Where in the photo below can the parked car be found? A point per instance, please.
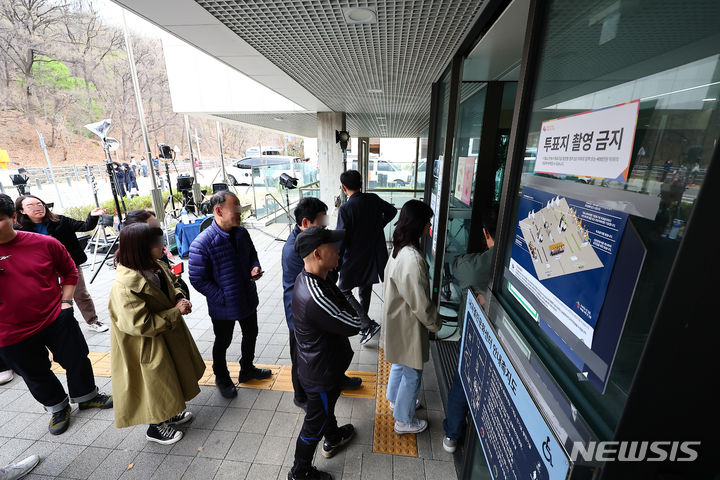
(267, 169)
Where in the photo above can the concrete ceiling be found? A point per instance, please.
(380, 74)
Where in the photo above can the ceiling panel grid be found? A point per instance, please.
(398, 57)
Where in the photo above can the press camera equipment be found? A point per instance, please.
(167, 155)
(287, 183)
(184, 186)
(20, 181)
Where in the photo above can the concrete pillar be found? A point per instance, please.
(329, 155)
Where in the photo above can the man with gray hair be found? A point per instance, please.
(224, 267)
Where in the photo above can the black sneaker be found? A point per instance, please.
(300, 404)
(60, 421)
(351, 383)
(312, 474)
(100, 401)
(347, 432)
(163, 434)
(254, 373)
(180, 418)
(370, 332)
(226, 387)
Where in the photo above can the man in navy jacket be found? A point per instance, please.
(363, 253)
(309, 212)
(224, 267)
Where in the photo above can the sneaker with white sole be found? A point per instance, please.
(449, 445)
(98, 326)
(418, 405)
(19, 469)
(180, 418)
(163, 434)
(416, 426)
(369, 333)
(6, 376)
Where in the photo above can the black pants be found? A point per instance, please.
(300, 395)
(223, 330)
(3, 366)
(363, 306)
(29, 359)
(319, 422)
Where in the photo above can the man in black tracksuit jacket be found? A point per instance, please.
(323, 322)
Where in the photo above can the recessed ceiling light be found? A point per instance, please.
(709, 99)
(374, 90)
(357, 15)
(277, 119)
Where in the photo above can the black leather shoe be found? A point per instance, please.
(254, 374)
(226, 387)
(351, 383)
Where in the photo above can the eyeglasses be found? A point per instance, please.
(34, 205)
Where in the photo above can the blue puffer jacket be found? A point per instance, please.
(222, 273)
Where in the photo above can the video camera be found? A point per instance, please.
(166, 152)
(287, 181)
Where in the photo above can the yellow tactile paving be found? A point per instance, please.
(385, 439)
(280, 379)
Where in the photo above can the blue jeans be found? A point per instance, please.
(402, 390)
(454, 423)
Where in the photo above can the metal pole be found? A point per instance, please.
(52, 174)
(154, 192)
(197, 194)
(222, 157)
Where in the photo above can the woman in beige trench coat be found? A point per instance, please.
(155, 362)
(408, 315)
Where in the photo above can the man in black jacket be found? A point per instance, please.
(323, 322)
(364, 253)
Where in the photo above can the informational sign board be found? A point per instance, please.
(516, 439)
(594, 144)
(464, 179)
(574, 268)
(564, 252)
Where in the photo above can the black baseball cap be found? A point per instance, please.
(312, 237)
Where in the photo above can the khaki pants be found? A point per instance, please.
(83, 300)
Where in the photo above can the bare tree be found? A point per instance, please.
(26, 33)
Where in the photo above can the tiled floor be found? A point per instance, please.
(249, 437)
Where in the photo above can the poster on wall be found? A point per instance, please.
(516, 439)
(464, 179)
(595, 144)
(435, 200)
(563, 253)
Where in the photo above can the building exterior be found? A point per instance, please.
(592, 127)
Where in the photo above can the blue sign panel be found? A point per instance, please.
(516, 440)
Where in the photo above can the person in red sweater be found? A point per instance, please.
(37, 282)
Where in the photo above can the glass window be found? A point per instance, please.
(596, 56)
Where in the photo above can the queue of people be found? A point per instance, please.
(156, 365)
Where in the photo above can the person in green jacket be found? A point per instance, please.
(471, 270)
(155, 363)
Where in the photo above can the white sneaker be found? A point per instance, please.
(449, 445)
(6, 376)
(417, 405)
(98, 326)
(21, 468)
(416, 426)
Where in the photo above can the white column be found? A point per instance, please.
(329, 155)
